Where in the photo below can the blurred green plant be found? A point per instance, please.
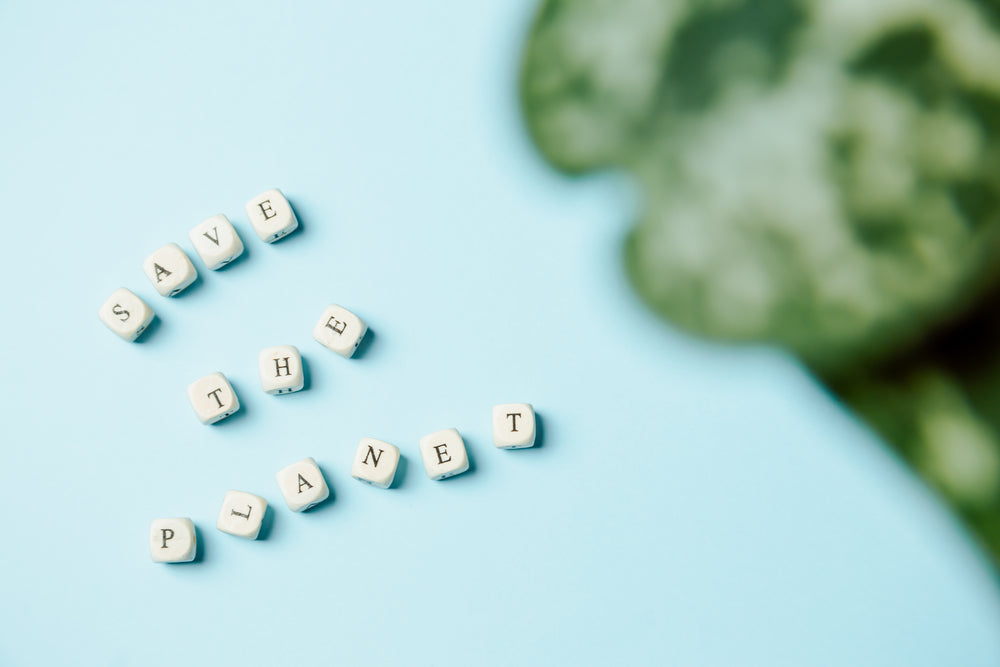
(823, 175)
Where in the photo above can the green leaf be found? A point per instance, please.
(822, 175)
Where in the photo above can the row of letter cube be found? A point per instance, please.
(217, 243)
(303, 486)
(279, 367)
(213, 397)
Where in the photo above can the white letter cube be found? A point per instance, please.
(339, 330)
(216, 241)
(513, 426)
(242, 514)
(172, 541)
(444, 454)
(271, 215)
(213, 398)
(280, 369)
(375, 462)
(302, 484)
(169, 269)
(126, 314)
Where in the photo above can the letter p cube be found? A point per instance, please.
(172, 541)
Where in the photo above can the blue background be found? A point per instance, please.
(691, 504)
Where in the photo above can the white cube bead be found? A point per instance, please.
(213, 398)
(302, 484)
(172, 541)
(444, 454)
(340, 330)
(126, 314)
(513, 425)
(169, 269)
(271, 215)
(280, 369)
(375, 462)
(242, 514)
(216, 241)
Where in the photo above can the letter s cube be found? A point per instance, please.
(126, 314)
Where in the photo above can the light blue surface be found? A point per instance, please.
(691, 504)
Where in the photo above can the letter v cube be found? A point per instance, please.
(216, 241)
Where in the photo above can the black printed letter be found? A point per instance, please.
(264, 209)
(278, 366)
(118, 310)
(166, 537)
(338, 327)
(245, 516)
(438, 449)
(513, 420)
(371, 453)
(209, 236)
(160, 271)
(302, 481)
(215, 395)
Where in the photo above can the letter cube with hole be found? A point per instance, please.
(216, 241)
(242, 514)
(375, 463)
(172, 541)
(513, 426)
(302, 484)
(340, 330)
(213, 398)
(444, 454)
(280, 369)
(271, 215)
(169, 269)
(126, 314)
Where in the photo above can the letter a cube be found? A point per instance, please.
(302, 484)
(169, 269)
